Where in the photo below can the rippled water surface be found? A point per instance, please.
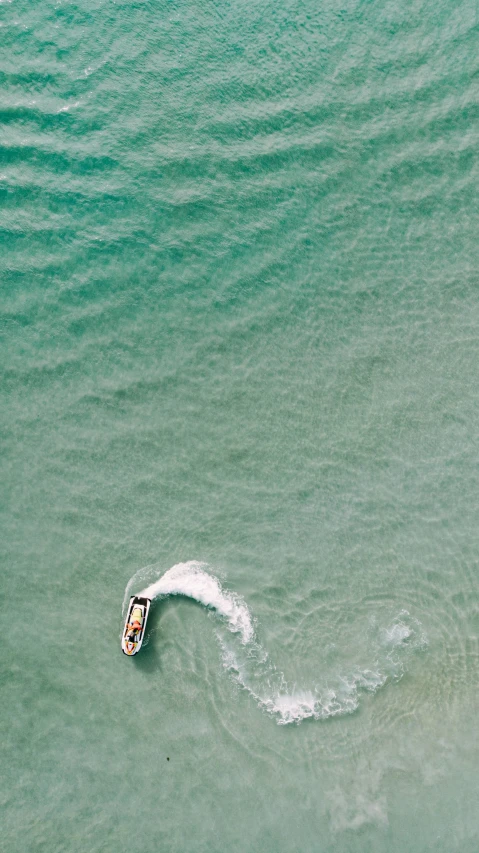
(240, 338)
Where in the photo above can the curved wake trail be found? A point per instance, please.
(249, 664)
(192, 580)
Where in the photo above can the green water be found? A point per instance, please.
(240, 325)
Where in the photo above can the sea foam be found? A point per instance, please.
(249, 664)
(192, 580)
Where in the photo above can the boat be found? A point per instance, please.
(135, 624)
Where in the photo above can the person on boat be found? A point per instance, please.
(134, 627)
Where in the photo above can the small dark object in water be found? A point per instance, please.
(167, 759)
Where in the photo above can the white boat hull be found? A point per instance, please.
(131, 641)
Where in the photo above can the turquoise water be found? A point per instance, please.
(240, 337)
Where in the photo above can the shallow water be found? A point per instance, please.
(240, 322)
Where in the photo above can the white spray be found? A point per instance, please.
(192, 580)
(249, 664)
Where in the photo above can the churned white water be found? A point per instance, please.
(192, 580)
(250, 666)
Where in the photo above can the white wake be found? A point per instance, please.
(249, 664)
(192, 580)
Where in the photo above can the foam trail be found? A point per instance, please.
(249, 664)
(192, 580)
